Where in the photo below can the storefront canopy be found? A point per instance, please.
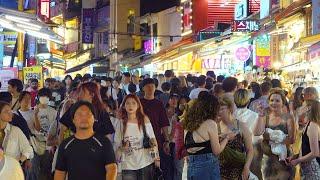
(87, 63)
(28, 24)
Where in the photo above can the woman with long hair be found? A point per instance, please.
(136, 146)
(297, 100)
(14, 143)
(310, 148)
(255, 91)
(201, 138)
(90, 92)
(179, 149)
(184, 86)
(269, 120)
(68, 82)
(235, 160)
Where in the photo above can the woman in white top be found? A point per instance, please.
(13, 141)
(135, 141)
(9, 167)
(25, 109)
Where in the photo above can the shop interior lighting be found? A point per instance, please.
(30, 31)
(29, 24)
(28, 27)
(277, 65)
(16, 19)
(38, 34)
(8, 25)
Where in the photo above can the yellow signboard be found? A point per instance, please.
(137, 43)
(34, 72)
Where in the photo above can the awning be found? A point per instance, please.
(130, 58)
(306, 42)
(88, 63)
(173, 48)
(27, 23)
(310, 40)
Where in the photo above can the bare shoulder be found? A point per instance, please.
(209, 124)
(314, 126)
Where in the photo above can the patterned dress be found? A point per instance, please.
(273, 168)
(229, 170)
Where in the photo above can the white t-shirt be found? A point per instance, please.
(126, 88)
(138, 88)
(247, 116)
(15, 103)
(137, 157)
(11, 169)
(195, 92)
(29, 117)
(46, 118)
(250, 118)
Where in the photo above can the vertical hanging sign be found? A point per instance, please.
(87, 25)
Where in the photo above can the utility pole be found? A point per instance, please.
(20, 46)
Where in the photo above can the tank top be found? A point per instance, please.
(190, 143)
(305, 146)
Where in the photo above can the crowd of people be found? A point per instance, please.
(142, 128)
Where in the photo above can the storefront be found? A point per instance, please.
(78, 60)
(228, 57)
(182, 64)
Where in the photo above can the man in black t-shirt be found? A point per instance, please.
(85, 155)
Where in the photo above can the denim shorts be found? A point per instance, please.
(203, 167)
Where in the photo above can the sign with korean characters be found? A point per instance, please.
(34, 72)
(246, 25)
(87, 25)
(8, 38)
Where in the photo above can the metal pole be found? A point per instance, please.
(20, 46)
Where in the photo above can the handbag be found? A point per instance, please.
(146, 138)
(38, 146)
(233, 158)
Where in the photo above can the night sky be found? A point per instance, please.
(152, 6)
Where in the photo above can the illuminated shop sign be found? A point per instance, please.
(203, 35)
(242, 53)
(241, 10)
(87, 25)
(45, 8)
(216, 62)
(147, 46)
(151, 46)
(246, 26)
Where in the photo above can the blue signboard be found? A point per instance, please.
(11, 4)
(315, 17)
